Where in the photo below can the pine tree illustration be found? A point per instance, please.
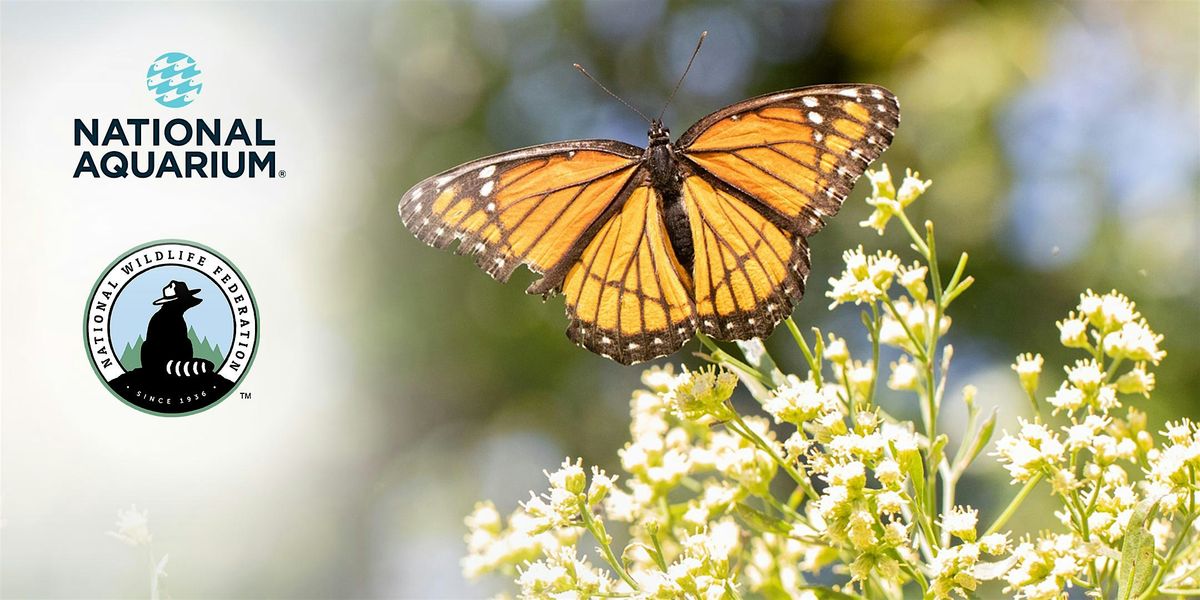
(202, 348)
(131, 357)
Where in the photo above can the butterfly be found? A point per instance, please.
(651, 245)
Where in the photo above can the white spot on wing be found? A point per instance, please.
(491, 207)
(815, 117)
(442, 181)
(850, 93)
(487, 171)
(486, 190)
(809, 101)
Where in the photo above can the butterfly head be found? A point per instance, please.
(659, 135)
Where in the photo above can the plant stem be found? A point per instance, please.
(722, 356)
(876, 324)
(912, 232)
(808, 355)
(912, 337)
(1013, 505)
(659, 557)
(602, 539)
(744, 430)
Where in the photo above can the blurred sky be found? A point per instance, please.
(397, 384)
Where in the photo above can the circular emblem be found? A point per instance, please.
(171, 327)
(174, 79)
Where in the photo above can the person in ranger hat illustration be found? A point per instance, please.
(167, 349)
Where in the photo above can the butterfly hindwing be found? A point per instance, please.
(532, 206)
(797, 152)
(627, 296)
(748, 273)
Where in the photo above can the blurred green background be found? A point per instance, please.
(1062, 139)
(398, 384)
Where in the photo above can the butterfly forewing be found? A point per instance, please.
(798, 152)
(532, 206)
(628, 297)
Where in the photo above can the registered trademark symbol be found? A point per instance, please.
(245, 395)
(282, 173)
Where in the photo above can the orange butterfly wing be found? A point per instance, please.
(532, 206)
(747, 272)
(797, 152)
(761, 176)
(627, 297)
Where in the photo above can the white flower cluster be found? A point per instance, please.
(866, 278)
(1046, 566)
(826, 485)
(133, 527)
(887, 201)
(1093, 461)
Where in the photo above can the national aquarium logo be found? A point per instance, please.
(179, 147)
(174, 79)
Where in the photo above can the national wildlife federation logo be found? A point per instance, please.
(174, 79)
(171, 327)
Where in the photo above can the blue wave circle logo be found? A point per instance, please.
(174, 79)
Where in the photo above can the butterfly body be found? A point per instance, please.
(663, 168)
(649, 246)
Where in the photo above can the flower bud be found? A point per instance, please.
(1073, 332)
(1028, 368)
(911, 188)
(836, 350)
(960, 522)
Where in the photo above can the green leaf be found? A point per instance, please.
(977, 444)
(1137, 551)
(938, 450)
(760, 521)
(757, 356)
(914, 469)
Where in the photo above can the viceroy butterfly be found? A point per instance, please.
(651, 245)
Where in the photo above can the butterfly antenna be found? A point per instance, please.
(609, 92)
(685, 72)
